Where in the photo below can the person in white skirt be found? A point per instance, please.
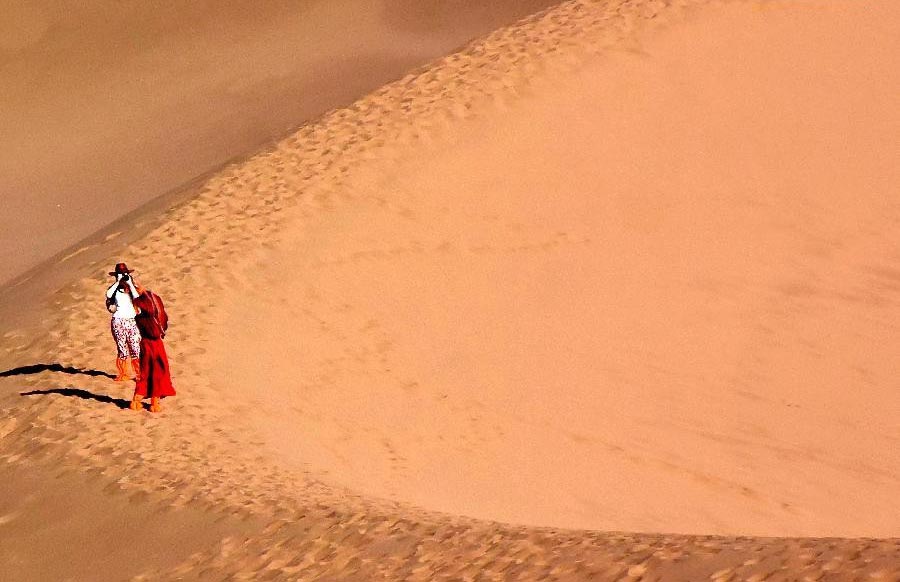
(119, 298)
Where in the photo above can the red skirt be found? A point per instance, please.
(155, 380)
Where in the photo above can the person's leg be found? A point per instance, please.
(133, 336)
(154, 404)
(121, 349)
(141, 386)
(122, 372)
(136, 364)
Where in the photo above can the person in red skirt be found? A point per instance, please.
(155, 380)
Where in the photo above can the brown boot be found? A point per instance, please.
(154, 405)
(136, 366)
(120, 367)
(137, 402)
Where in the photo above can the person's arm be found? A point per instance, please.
(112, 289)
(131, 287)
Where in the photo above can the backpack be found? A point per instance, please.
(154, 321)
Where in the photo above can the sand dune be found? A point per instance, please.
(627, 266)
(681, 282)
(106, 105)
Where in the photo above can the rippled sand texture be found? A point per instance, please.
(332, 234)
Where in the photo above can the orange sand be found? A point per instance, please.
(670, 274)
(626, 266)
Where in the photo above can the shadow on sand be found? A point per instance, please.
(79, 393)
(38, 368)
(70, 392)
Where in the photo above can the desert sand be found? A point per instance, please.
(612, 293)
(106, 105)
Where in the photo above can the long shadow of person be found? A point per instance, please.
(38, 368)
(79, 393)
(71, 392)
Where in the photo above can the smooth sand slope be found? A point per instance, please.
(671, 274)
(105, 105)
(626, 266)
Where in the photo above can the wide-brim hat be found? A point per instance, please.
(121, 269)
